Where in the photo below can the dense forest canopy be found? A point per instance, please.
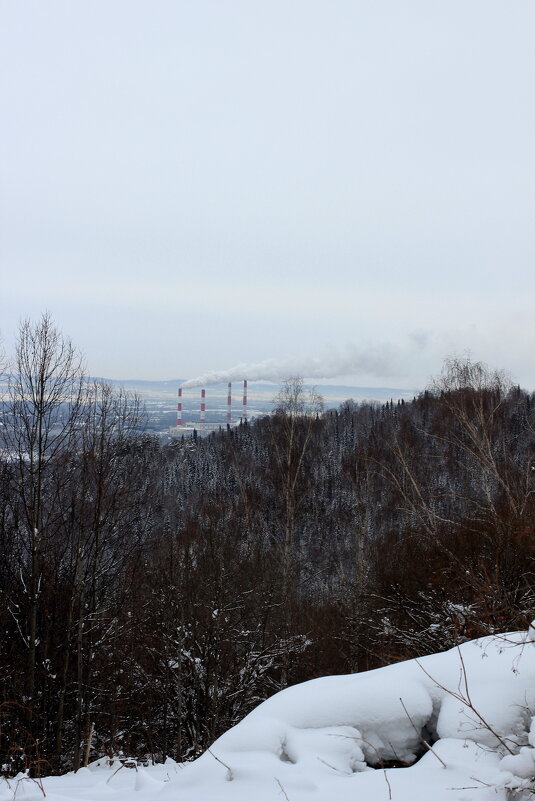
(151, 595)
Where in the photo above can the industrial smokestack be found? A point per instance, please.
(245, 399)
(229, 402)
(203, 407)
(179, 408)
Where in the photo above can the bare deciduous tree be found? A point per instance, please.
(46, 394)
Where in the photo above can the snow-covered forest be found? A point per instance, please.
(151, 596)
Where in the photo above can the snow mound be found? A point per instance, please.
(456, 726)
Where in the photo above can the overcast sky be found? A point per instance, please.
(188, 184)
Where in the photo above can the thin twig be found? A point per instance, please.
(30, 779)
(465, 699)
(283, 791)
(478, 786)
(333, 767)
(229, 775)
(361, 741)
(113, 774)
(419, 735)
(388, 783)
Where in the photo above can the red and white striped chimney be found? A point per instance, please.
(229, 402)
(245, 399)
(179, 408)
(203, 406)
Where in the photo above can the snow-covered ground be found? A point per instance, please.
(335, 739)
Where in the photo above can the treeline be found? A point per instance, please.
(151, 595)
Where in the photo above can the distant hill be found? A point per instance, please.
(333, 394)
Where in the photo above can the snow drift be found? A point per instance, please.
(456, 725)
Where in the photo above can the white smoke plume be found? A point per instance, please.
(369, 361)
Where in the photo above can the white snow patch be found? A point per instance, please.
(328, 739)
